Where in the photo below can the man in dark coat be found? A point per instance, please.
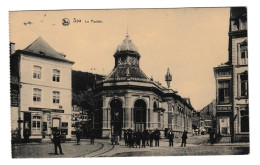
(130, 139)
(26, 135)
(143, 136)
(151, 137)
(125, 137)
(78, 136)
(212, 137)
(184, 138)
(57, 140)
(138, 139)
(170, 137)
(157, 137)
(147, 137)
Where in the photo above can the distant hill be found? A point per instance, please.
(82, 87)
(83, 81)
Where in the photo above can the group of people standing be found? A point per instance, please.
(147, 138)
(141, 139)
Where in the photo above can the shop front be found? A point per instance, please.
(224, 114)
(38, 123)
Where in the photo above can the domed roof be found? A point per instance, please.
(127, 45)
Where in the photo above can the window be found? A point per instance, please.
(243, 24)
(56, 97)
(56, 75)
(37, 95)
(224, 92)
(224, 73)
(244, 117)
(37, 72)
(243, 54)
(44, 126)
(159, 116)
(36, 125)
(65, 125)
(244, 85)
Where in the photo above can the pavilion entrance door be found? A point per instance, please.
(116, 117)
(140, 115)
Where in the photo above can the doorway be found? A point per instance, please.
(116, 117)
(140, 115)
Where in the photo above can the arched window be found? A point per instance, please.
(140, 115)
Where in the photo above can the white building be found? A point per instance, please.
(42, 77)
(232, 82)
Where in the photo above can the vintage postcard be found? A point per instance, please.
(129, 82)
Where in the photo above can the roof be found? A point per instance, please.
(127, 45)
(127, 71)
(43, 49)
(223, 65)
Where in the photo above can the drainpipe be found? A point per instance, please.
(19, 100)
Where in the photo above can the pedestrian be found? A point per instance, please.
(26, 135)
(212, 136)
(147, 137)
(92, 137)
(130, 139)
(157, 137)
(151, 137)
(125, 137)
(57, 140)
(170, 137)
(138, 139)
(184, 138)
(143, 137)
(78, 136)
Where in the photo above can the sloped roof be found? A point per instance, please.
(124, 71)
(43, 49)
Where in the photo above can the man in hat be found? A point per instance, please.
(57, 140)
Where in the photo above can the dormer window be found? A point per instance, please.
(41, 53)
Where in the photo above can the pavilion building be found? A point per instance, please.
(128, 99)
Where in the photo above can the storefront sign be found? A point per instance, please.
(46, 110)
(224, 108)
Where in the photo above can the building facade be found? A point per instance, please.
(232, 81)
(41, 79)
(208, 116)
(128, 99)
(195, 120)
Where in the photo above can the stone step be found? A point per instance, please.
(225, 139)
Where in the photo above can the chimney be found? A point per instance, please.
(12, 48)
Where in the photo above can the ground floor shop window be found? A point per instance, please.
(65, 125)
(224, 126)
(244, 117)
(36, 125)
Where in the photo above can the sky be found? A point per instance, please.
(188, 41)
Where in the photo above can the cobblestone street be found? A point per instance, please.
(197, 145)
